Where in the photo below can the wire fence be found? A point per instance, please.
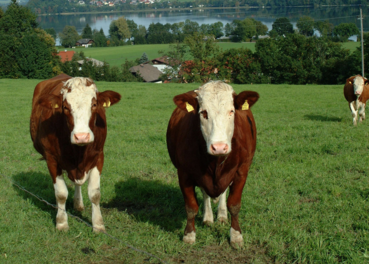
(79, 219)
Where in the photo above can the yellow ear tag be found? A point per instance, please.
(189, 107)
(245, 106)
(106, 105)
(56, 106)
(350, 82)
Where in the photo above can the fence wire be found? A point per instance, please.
(79, 219)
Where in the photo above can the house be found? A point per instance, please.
(164, 62)
(148, 72)
(84, 42)
(95, 62)
(66, 55)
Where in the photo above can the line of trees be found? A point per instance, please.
(122, 31)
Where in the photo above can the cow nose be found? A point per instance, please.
(219, 148)
(358, 92)
(82, 138)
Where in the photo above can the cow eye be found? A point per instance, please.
(204, 114)
(232, 112)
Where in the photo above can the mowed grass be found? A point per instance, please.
(116, 56)
(305, 200)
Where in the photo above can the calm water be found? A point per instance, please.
(334, 15)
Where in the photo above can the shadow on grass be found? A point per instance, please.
(41, 185)
(323, 118)
(150, 201)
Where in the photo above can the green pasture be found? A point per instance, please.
(116, 56)
(305, 200)
(351, 45)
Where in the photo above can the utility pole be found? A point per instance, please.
(362, 41)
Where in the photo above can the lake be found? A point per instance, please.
(334, 15)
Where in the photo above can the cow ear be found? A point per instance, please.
(245, 100)
(50, 101)
(108, 98)
(351, 79)
(366, 81)
(187, 101)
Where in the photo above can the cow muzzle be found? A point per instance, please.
(81, 139)
(219, 149)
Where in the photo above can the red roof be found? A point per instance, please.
(66, 55)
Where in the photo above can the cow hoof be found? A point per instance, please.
(190, 238)
(78, 205)
(236, 239)
(62, 227)
(208, 222)
(222, 220)
(99, 229)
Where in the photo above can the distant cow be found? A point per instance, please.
(68, 128)
(356, 93)
(211, 139)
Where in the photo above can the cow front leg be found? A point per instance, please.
(234, 206)
(208, 218)
(362, 113)
(61, 195)
(353, 112)
(94, 195)
(222, 208)
(191, 205)
(78, 200)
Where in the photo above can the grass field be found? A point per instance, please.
(116, 56)
(305, 201)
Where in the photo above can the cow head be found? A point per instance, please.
(216, 103)
(358, 83)
(79, 102)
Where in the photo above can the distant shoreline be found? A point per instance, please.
(164, 9)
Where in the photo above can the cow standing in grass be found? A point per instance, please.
(68, 128)
(356, 93)
(211, 139)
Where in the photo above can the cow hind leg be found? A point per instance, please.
(94, 195)
(61, 195)
(208, 218)
(78, 200)
(222, 208)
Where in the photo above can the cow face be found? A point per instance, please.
(80, 102)
(358, 84)
(216, 104)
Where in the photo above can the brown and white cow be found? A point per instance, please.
(211, 139)
(68, 128)
(356, 92)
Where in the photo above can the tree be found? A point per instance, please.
(144, 58)
(69, 36)
(99, 38)
(261, 29)
(87, 32)
(51, 32)
(119, 29)
(228, 29)
(25, 50)
(282, 26)
(324, 27)
(216, 29)
(243, 30)
(132, 27)
(305, 25)
(190, 27)
(346, 30)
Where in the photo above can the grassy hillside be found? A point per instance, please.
(351, 45)
(115, 56)
(305, 200)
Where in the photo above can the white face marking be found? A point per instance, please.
(80, 99)
(216, 116)
(358, 85)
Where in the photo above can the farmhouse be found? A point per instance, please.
(84, 42)
(66, 55)
(148, 72)
(164, 62)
